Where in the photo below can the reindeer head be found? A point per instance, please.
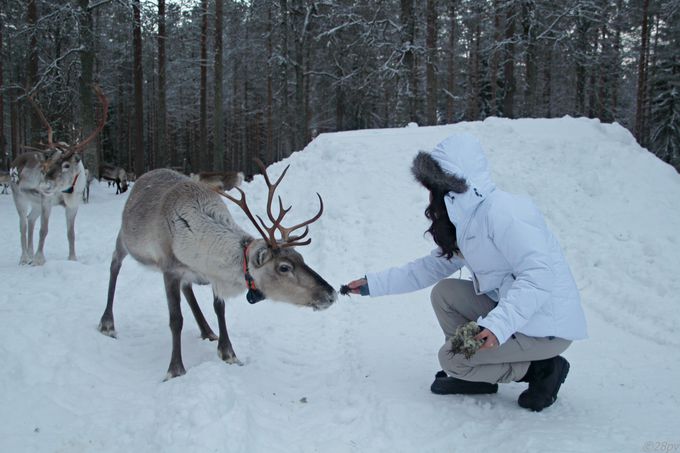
(281, 274)
(61, 165)
(278, 270)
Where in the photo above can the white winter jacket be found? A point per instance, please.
(504, 243)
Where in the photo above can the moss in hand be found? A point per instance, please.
(463, 341)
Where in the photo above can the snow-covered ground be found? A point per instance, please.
(355, 377)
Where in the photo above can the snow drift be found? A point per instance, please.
(355, 377)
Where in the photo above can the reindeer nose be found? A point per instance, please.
(326, 300)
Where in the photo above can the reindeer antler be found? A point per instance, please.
(78, 147)
(46, 123)
(268, 233)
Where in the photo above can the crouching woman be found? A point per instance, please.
(522, 294)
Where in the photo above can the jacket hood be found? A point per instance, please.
(458, 167)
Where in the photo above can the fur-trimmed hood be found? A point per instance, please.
(458, 166)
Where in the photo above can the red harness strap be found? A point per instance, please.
(253, 295)
(250, 283)
(70, 189)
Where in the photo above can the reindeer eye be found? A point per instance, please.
(285, 267)
(65, 166)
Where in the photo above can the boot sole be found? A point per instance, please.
(444, 385)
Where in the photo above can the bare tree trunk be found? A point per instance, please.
(14, 128)
(122, 141)
(509, 66)
(285, 109)
(475, 98)
(408, 35)
(652, 59)
(218, 150)
(547, 82)
(617, 60)
(642, 73)
(451, 66)
(300, 21)
(430, 74)
(139, 94)
(493, 64)
(529, 60)
(32, 67)
(270, 91)
(5, 158)
(592, 80)
(202, 152)
(87, 57)
(164, 154)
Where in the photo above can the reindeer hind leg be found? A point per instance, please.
(172, 288)
(106, 325)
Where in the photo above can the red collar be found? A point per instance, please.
(73, 185)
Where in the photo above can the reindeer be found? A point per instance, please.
(116, 175)
(88, 181)
(184, 229)
(222, 180)
(4, 181)
(49, 177)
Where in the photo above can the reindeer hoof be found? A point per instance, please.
(174, 372)
(210, 336)
(107, 329)
(38, 260)
(229, 357)
(72, 258)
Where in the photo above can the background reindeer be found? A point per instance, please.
(42, 179)
(184, 229)
(221, 180)
(4, 181)
(116, 175)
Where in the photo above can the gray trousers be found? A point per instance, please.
(455, 303)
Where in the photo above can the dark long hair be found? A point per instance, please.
(442, 230)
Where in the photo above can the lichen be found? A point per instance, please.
(463, 341)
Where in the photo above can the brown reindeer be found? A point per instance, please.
(184, 229)
(49, 177)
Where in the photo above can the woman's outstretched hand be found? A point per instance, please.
(359, 286)
(490, 340)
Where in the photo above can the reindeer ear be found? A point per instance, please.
(262, 255)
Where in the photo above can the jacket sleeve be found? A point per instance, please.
(525, 244)
(418, 274)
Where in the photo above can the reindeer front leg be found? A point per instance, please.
(30, 222)
(172, 285)
(23, 211)
(224, 349)
(206, 331)
(71, 232)
(39, 258)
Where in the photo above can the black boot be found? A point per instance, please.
(445, 385)
(545, 378)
